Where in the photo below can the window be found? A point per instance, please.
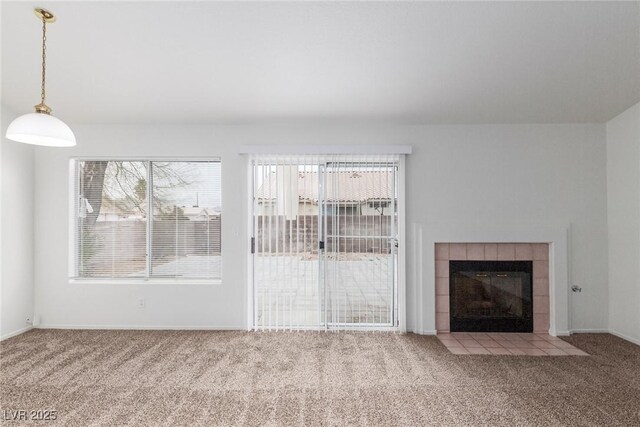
(147, 219)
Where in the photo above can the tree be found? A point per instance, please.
(92, 181)
(125, 184)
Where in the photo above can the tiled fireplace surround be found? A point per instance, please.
(536, 252)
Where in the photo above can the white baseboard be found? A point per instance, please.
(606, 331)
(422, 331)
(14, 333)
(144, 327)
(625, 337)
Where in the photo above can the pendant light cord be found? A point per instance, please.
(44, 58)
(40, 128)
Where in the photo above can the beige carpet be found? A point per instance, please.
(143, 378)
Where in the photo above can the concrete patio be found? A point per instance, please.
(359, 291)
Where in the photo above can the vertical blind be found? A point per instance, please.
(360, 230)
(287, 294)
(148, 219)
(324, 250)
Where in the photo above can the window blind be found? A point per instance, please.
(186, 220)
(112, 217)
(148, 219)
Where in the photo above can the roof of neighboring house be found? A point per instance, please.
(358, 186)
(198, 211)
(111, 207)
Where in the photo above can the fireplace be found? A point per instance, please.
(491, 296)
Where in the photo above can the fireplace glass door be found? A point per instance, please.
(491, 296)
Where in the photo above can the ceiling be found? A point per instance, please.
(405, 63)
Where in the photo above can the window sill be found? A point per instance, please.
(137, 281)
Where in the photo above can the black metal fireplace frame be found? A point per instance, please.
(492, 324)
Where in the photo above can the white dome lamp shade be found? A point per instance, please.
(41, 128)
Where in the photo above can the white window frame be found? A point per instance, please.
(73, 226)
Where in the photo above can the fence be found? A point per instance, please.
(355, 234)
(125, 241)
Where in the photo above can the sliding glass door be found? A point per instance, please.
(359, 228)
(324, 242)
(285, 244)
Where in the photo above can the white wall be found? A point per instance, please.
(530, 175)
(623, 201)
(16, 235)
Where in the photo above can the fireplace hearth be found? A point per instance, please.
(491, 296)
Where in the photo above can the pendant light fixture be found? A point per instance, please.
(41, 128)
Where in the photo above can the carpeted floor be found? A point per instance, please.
(158, 378)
